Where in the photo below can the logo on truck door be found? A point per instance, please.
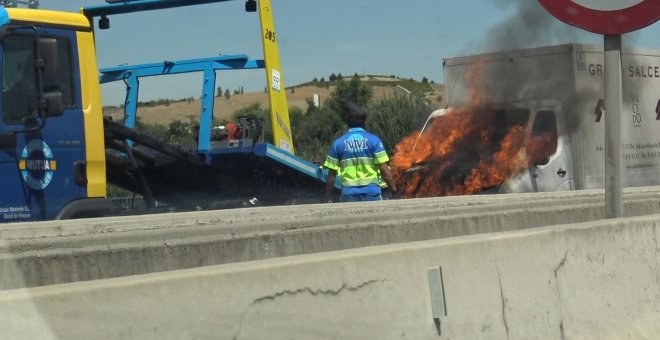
(37, 164)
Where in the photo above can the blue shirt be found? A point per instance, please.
(356, 157)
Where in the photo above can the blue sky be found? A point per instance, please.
(319, 37)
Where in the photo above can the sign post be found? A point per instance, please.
(613, 99)
(610, 18)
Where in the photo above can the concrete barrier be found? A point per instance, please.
(65, 251)
(595, 280)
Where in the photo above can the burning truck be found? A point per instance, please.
(532, 120)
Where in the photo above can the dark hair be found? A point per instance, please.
(353, 114)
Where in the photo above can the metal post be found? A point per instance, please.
(206, 117)
(613, 99)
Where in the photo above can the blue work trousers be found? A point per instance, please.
(360, 197)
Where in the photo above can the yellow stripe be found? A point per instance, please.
(21, 164)
(93, 116)
(48, 17)
(279, 110)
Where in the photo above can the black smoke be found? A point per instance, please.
(530, 25)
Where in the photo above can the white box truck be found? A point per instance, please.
(560, 89)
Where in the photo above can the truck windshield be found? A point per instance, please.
(19, 77)
(19, 89)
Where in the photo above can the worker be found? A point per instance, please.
(358, 157)
(234, 132)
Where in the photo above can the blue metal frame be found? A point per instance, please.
(130, 74)
(279, 155)
(140, 6)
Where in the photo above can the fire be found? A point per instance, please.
(469, 150)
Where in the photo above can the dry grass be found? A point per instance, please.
(224, 108)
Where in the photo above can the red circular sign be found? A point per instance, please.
(626, 18)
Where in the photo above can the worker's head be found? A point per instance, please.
(353, 114)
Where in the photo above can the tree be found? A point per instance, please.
(178, 132)
(227, 95)
(219, 93)
(314, 132)
(353, 90)
(395, 117)
(424, 80)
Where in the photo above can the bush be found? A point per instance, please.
(394, 117)
(354, 91)
(314, 133)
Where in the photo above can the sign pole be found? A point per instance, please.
(613, 99)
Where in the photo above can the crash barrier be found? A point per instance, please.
(37, 254)
(594, 280)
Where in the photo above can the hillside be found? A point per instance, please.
(224, 108)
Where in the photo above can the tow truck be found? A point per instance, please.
(58, 153)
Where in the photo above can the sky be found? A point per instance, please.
(317, 38)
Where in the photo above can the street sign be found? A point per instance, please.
(606, 17)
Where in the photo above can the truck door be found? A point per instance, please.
(37, 161)
(548, 152)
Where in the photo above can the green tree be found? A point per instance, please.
(353, 90)
(314, 132)
(396, 116)
(179, 132)
(227, 95)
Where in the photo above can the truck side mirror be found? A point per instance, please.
(53, 103)
(48, 61)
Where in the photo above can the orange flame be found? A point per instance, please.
(466, 151)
